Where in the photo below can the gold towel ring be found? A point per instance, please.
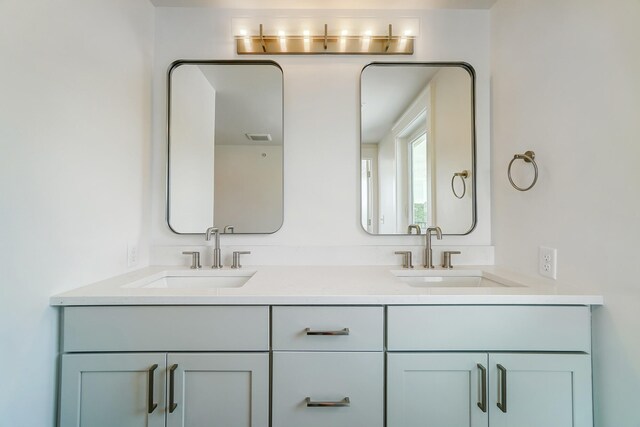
(528, 157)
(463, 175)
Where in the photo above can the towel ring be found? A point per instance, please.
(463, 175)
(528, 157)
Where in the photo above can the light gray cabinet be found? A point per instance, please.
(551, 390)
(323, 328)
(319, 389)
(328, 366)
(151, 389)
(480, 390)
(230, 389)
(512, 367)
(436, 389)
(445, 366)
(106, 390)
(135, 387)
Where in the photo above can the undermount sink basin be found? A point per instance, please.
(196, 280)
(449, 279)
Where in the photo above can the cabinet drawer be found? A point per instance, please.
(489, 328)
(329, 378)
(165, 328)
(328, 328)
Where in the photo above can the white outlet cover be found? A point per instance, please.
(548, 262)
(132, 254)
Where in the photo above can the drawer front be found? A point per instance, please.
(327, 379)
(328, 328)
(489, 328)
(165, 328)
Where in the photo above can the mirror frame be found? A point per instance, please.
(175, 64)
(472, 74)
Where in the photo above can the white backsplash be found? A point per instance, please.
(320, 255)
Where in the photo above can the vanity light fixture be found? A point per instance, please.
(343, 36)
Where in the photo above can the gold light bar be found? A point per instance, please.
(324, 44)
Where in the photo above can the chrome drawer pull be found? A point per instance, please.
(483, 384)
(172, 402)
(341, 403)
(502, 374)
(344, 331)
(151, 405)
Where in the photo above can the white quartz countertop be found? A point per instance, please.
(322, 285)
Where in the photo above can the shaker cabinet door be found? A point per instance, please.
(106, 390)
(533, 390)
(218, 389)
(437, 389)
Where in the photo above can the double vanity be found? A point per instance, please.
(324, 346)
(320, 346)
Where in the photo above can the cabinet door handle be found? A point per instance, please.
(483, 384)
(327, 404)
(150, 374)
(344, 331)
(172, 404)
(502, 376)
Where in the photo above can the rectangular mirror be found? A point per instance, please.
(417, 151)
(225, 143)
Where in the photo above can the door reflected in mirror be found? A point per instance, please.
(417, 139)
(225, 146)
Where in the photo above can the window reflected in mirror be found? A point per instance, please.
(417, 131)
(419, 200)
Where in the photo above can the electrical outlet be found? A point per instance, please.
(548, 262)
(132, 254)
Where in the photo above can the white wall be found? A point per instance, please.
(387, 216)
(451, 132)
(74, 164)
(321, 154)
(248, 187)
(370, 152)
(394, 157)
(565, 84)
(193, 123)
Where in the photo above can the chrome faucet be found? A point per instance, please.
(229, 229)
(428, 253)
(216, 251)
(414, 227)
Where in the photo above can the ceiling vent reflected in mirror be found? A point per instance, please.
(258, 137)
(226, 141)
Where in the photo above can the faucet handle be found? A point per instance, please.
(407, 258)
(446, 258)
(236, 258)
(195, 259)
